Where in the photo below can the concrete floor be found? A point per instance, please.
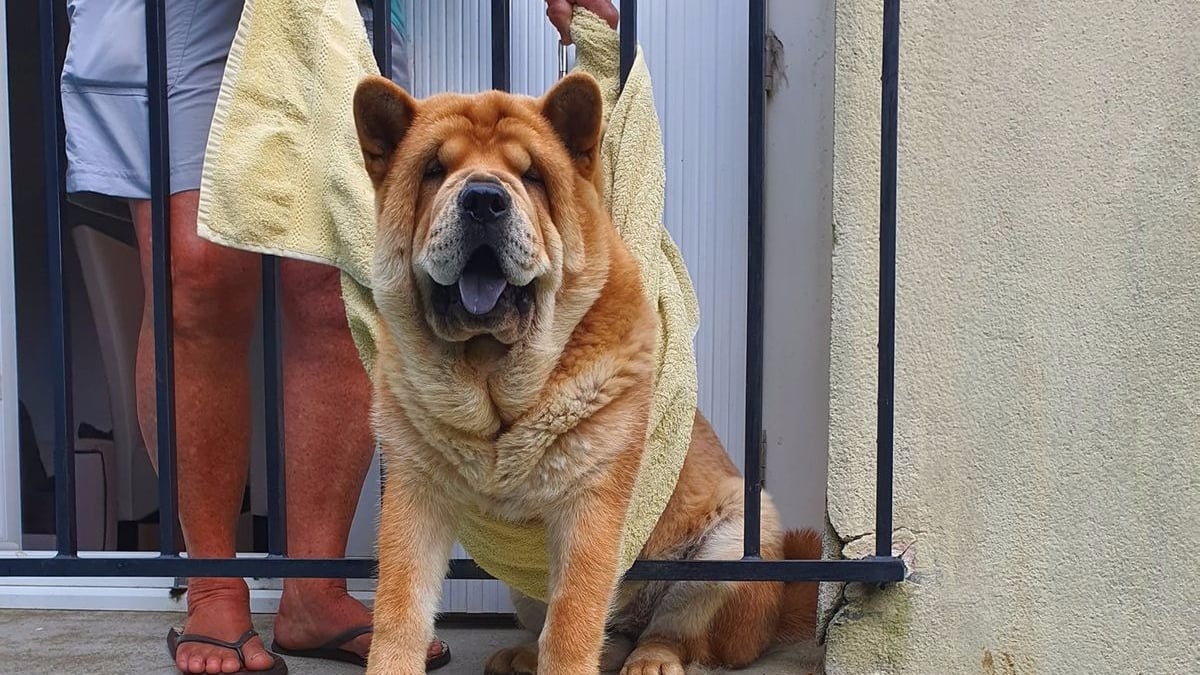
(133, 643)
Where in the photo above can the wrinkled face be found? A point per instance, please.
(483, 249)
(477, 197)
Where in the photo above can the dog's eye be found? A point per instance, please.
(532, 175)
(434, 168)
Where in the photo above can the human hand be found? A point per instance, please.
(559, 13)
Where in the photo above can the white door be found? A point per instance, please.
(10, 496)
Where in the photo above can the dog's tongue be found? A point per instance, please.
(480, 292)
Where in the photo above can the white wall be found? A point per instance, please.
(799, 242)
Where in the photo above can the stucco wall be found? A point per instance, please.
(1048, 337)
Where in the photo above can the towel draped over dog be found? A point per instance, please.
(283, 175)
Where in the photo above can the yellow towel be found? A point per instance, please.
(283, 175)
(283, 172)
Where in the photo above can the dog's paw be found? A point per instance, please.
(652, 667)
(521, 660)
(653, 660)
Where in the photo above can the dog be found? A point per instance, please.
(514, 375)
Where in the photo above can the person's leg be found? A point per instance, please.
(329, 445)
(328, 450)
(214, 291)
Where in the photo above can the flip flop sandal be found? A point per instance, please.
(174, 639)
(333, 651)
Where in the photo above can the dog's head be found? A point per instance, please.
(483, 200)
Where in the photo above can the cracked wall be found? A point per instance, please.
(1047, 356)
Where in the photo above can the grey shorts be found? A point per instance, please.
(104, 102)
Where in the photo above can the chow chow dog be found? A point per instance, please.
(515, 369)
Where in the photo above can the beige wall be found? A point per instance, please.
(1048, 337)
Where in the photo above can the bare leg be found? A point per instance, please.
(214, 293)
(327, 401)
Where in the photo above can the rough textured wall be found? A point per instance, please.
(1048, 337)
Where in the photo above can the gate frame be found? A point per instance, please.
(881, 568)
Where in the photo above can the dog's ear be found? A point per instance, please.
(383, 112)
(575, 108)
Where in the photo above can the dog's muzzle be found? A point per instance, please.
(487, 206)
(481, 256)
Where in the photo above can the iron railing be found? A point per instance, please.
(881, 568)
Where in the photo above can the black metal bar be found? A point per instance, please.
(273, 437)
(880, 570)
(501, 78)
(272, 327)
(381, 35)
(629, 34)
(755, 285)
(60, 331)
(160, 239)
(887, 281)
(868, 570)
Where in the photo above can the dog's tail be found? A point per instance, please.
(798, 615)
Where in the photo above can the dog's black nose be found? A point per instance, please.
(484, 202)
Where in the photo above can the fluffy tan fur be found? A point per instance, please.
(538, 410)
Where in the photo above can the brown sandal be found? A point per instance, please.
(332, 650)
(175, 638)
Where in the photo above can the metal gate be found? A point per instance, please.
(880, 568)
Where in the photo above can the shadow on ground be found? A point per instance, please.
(134, 643)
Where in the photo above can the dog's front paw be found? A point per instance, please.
(521, 660)
(653, 660)
(390, 657)
(383, 666)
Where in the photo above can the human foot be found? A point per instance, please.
(175, 639)
(312, 613)
(219, 609)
